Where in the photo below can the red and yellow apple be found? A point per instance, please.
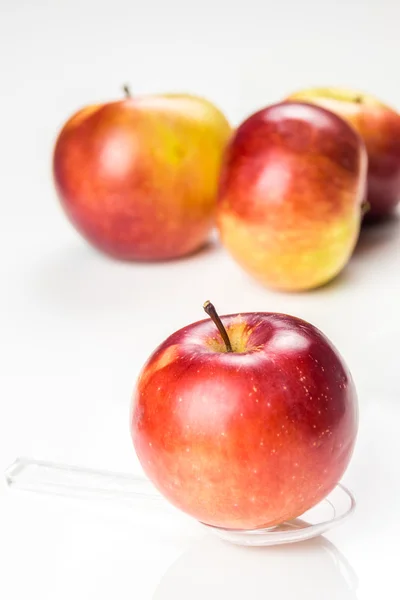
(138, 177)
(246, 434)
(379, 126)
(290, 198)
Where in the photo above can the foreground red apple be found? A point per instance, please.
(379, 126)
(291, 192)
(245, 438)
(138, 177)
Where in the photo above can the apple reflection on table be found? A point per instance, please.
(312, 570)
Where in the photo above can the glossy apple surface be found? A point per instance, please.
(379, 126)
(248, 438)
(290, 197)
(138, 177)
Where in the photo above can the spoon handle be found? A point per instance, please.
(52, 478)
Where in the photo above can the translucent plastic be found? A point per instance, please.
(331, 511)
(44, 477)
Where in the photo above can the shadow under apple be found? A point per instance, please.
(82, 279)
(378, 235)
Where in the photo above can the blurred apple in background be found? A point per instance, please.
(249, 428)
(138, 177)
(290, 197)
(379, 126)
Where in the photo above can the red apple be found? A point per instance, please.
(379, 126)
(251, 437)
(138, 177)
(291, 193)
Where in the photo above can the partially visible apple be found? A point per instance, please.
(138, 177)
(379, 126)
(248, 427)
(291, 192)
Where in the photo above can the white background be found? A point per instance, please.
(75, 327)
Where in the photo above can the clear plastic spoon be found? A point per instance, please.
(51, 478)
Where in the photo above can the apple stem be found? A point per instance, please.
(127, 91)
(212, 313)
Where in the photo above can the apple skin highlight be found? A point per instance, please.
(249, 438)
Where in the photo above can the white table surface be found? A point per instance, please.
(76, 327)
